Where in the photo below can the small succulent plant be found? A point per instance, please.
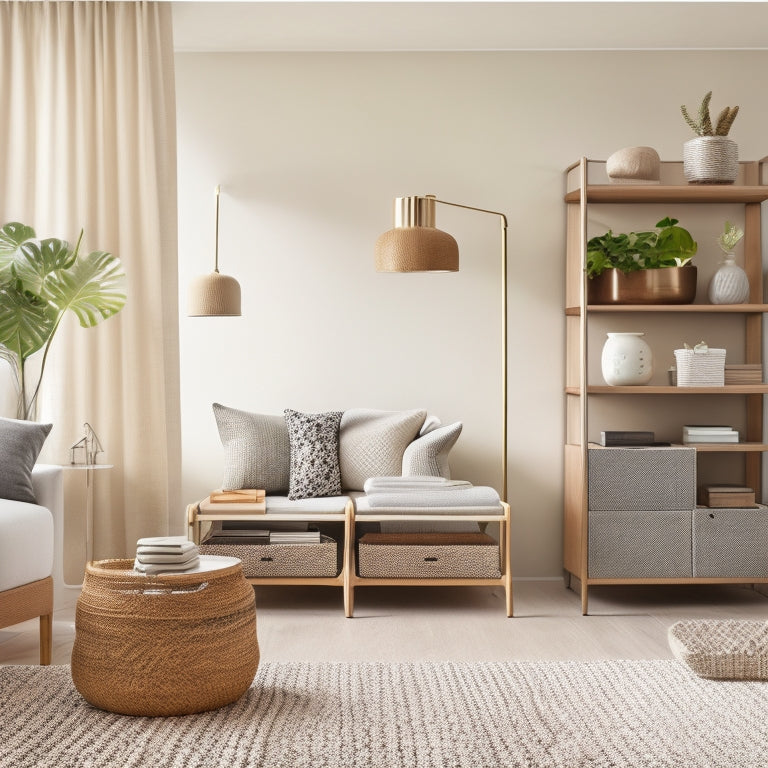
(702, 125)
(729, 237)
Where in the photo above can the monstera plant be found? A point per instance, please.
(40, 280)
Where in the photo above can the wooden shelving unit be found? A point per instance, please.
(587, 185)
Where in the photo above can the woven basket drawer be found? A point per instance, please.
(428, 561)
(264, 560)
(642, 479)
(639, 544)
(730, 542)
(700, 368)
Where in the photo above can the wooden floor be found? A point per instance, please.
(456, 624)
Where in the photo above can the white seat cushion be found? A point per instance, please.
(26, 543)
(317, 505)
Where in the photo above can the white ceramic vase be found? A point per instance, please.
(730, 284)
(627, 360)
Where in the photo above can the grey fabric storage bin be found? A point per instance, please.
(730, 542)
(642, 479)
(643, 544)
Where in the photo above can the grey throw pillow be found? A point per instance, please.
(428, 455)
(372, 443)
(314, 440)
(20, 445)
(256, 450)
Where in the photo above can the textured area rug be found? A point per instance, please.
(451, 715)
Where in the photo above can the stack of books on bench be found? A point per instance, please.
(165, 554)
(248, 532)
(246, 501)
(703, 433)
(310, 536)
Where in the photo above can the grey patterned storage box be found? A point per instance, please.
(643, 544)
(265, 560)
(730, 542)
(642, 479)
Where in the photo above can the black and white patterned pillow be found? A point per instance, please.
(314, 441)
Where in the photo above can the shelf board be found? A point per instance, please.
(656, 193)
(729, 447)
(730, 389)
(744, 309)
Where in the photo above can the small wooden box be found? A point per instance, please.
(726, 496)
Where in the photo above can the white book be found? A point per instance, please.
(706, 428)
(166, 543)
(165, 567)
(167, 558)
(722, 438)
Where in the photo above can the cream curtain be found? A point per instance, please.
(88, 140)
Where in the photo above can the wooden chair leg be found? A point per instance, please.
(46, 638)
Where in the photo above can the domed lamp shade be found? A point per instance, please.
(415, 245)
(214, 295)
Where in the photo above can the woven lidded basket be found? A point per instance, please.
(722, 649)
(165, 644)
(700, 367)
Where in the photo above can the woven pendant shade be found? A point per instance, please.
(416, 249)
(214, 294)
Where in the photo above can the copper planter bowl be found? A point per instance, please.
(668, 285)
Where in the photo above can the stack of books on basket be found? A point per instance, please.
(165, 554)
(703, 433)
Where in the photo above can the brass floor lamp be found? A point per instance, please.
(416, 245)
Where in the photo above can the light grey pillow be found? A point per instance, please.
(20, 445)
(428, 454)
(372, 443)
(314, 439)
(257, 453)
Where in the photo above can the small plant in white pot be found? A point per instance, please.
(711, 157)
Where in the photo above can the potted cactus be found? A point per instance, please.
(711, 157)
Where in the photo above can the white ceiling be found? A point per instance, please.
(404, 25)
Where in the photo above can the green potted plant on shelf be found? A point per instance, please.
(40, 280)
(650, 267)
(711, 157)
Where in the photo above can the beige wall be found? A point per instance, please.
(310, 149)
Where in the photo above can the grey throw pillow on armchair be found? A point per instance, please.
(20, 445)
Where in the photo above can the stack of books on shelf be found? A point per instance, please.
(246, 501)
(311, 536)
(241, 532)
(165, 554)
(704, 433)
(749, 373)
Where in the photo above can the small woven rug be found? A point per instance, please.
(557, 714)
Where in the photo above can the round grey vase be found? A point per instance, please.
(710, 160)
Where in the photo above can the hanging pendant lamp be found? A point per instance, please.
(214, 295)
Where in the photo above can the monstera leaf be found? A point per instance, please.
(40, 280)
(93, 288)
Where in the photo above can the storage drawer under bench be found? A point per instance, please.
(291, 560)
(428, 556)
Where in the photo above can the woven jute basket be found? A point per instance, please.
(166, 644)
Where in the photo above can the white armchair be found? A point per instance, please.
(27, 554)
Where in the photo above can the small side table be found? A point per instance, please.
(89, 469)
(164, 644)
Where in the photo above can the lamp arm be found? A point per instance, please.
(504, 354)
